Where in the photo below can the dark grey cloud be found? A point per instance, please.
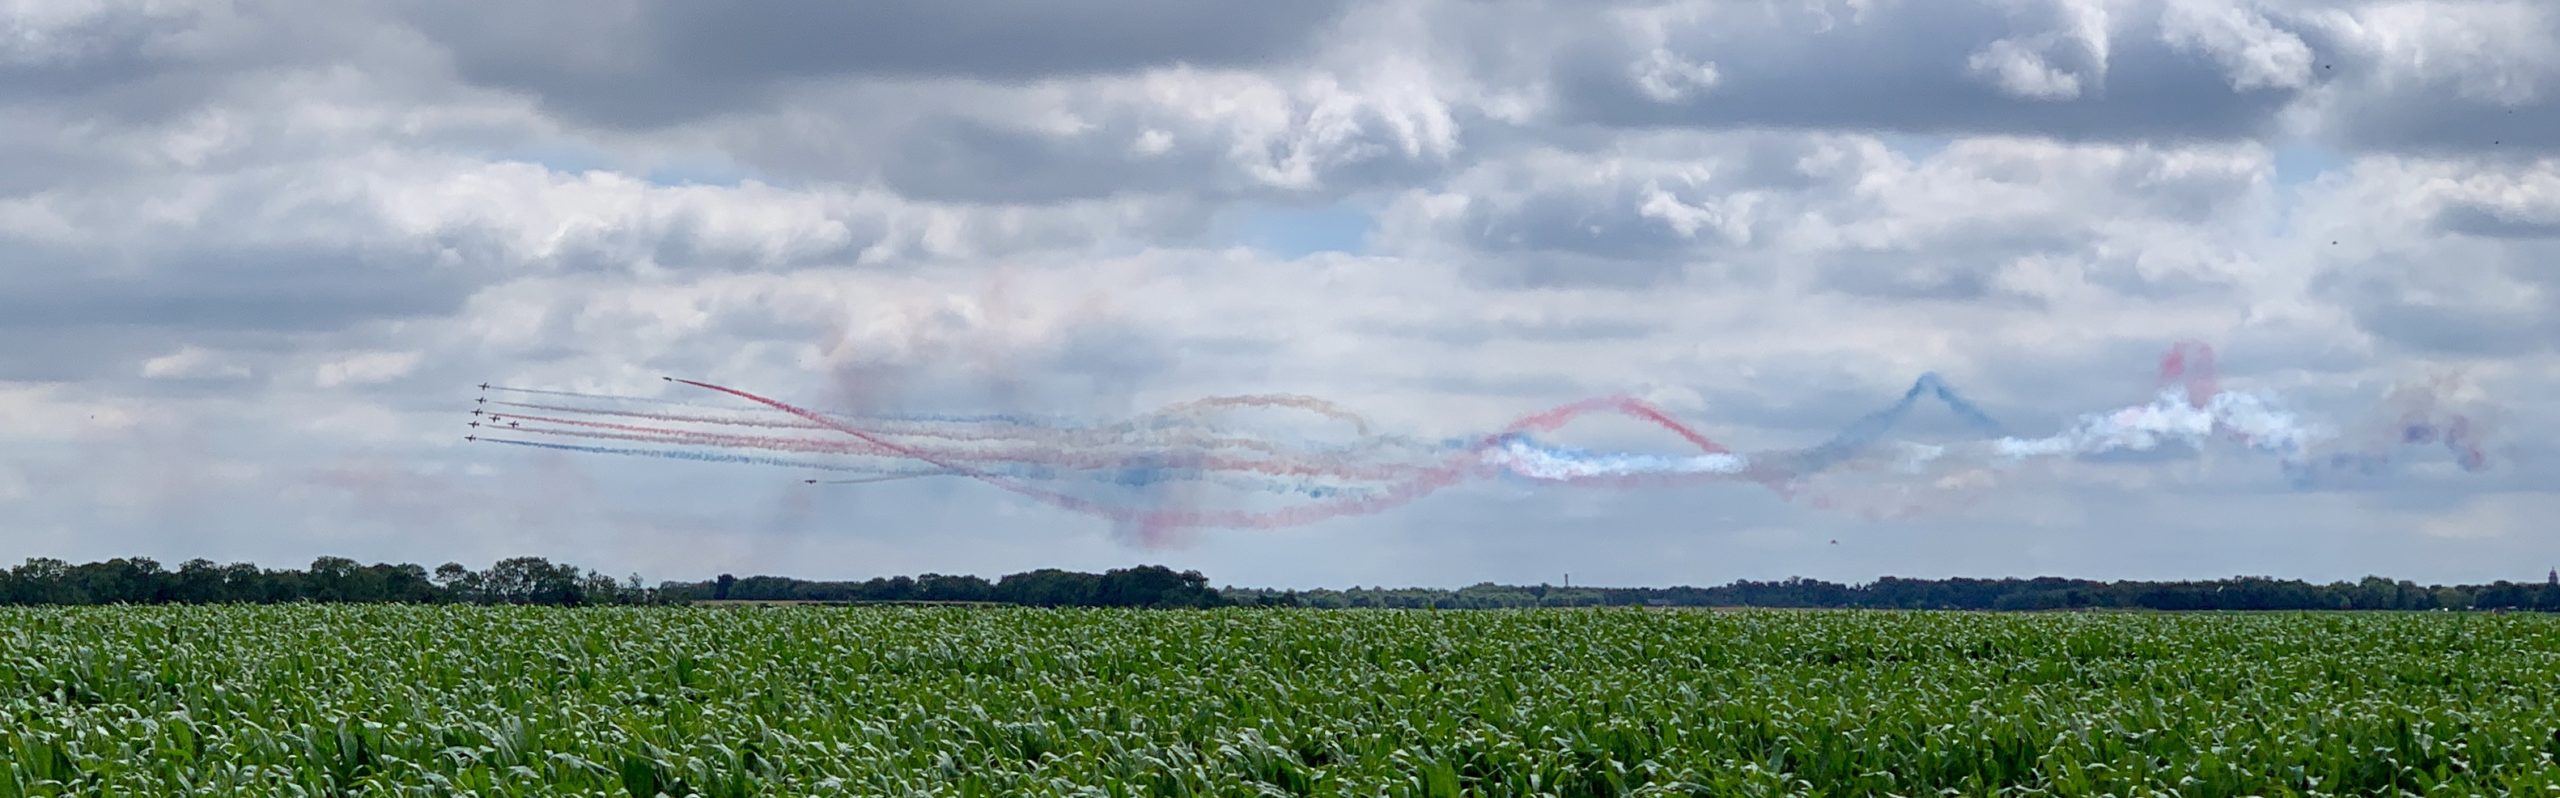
(1532, 270)
(943, 149)
(998, 39)
(1612, 226)
(1905, 67)
(1962, 265)
(40, 155)
(2491, 90)
(226, 288)
(967, 159)
(106, 309)
(2379, 297)
(2458, 294)
(689, 241)
(1458, 330)
(112, 55)
(1749, 221)
(1624, 220)
(2488, 222)
(2436, 119)
(646, 63)
(136, 63)
(2456, 330)
(1910, 276)
(62, 354)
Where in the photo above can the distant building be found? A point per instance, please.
(2555, 577)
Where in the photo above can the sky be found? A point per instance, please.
(255, 257)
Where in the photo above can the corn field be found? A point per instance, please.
(435, 701)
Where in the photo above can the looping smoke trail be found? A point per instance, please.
(2190, 364)
(1192, 443)
(883, 472)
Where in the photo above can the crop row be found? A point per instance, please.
(388, 700)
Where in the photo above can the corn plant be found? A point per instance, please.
(520, 701)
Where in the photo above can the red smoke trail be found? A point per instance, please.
(1157, 523)
(1309, 404)
(681, 418)
(2191, 363)
(956, 430)
(1086, 462)
(1624, 405)
(2420, 423)
(688, 437)
(2189, 367)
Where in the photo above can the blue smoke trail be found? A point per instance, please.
(719, 457)
(1862, 434)
(1148, 473)
(2190, 412)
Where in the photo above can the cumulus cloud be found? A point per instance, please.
(2252, 51)
(2066, 68)
(193, 364)
(2492, 516)
(367, 368)
(2439, 77)
(253, 258)
(2021, 72)
(2443, 258)
(654, 61)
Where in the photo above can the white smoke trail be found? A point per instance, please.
(2171, 420)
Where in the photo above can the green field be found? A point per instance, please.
(390, 700)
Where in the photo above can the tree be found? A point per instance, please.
(939, 587)
(459, 583)
(138, 580)
(199, 581)
(533, 580)
(406, 583)
(338, 579)
(1154, 586)
(45, 580)
(243, 582)
(1047, 587)
(598, 588)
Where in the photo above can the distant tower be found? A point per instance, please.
(2555, 577)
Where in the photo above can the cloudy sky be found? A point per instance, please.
(254, 256)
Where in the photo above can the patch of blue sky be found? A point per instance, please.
(574, 157)
(1298, 231)
(2299, 164)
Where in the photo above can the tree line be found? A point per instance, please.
(2042, 593)
(1141, 586)
(142, 580)
(535, 580)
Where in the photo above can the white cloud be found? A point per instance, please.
(1667, 77)
(193, 363)
(2022, 72)
(2489, 51)
(1767, 218)
(2255, 53)
(2495, 515)
(366, 369)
